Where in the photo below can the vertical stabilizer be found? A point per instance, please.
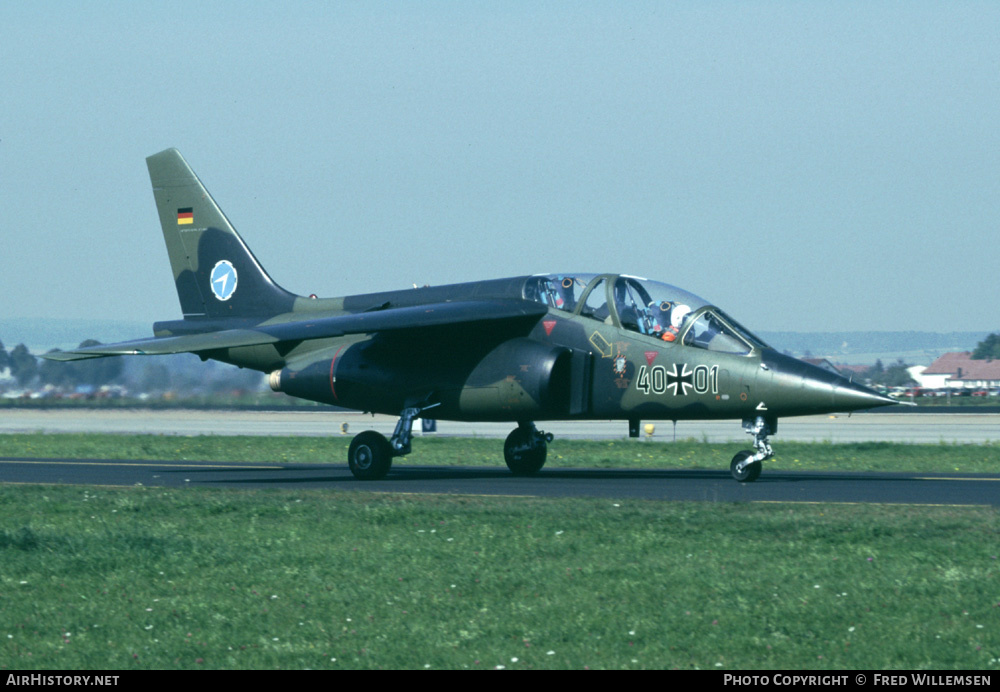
(215, 272)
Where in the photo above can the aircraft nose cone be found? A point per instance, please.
(792, 387)
(850, 396)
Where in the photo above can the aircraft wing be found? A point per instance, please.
(160, 346)
(420, 317)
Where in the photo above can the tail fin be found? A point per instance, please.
(216, 274)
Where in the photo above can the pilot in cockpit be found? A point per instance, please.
(562, 293)
(673, 317)
(554, 291)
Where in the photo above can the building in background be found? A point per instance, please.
(960, 371)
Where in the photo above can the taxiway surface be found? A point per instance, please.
(696, 485)
(622, 484)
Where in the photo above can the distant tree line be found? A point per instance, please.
(896, 375)
(94, 372)
(23, 366)
(183, 372)
(988, 348)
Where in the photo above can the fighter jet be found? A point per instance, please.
(545, 347)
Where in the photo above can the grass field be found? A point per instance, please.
(625, 453)
(95, 578)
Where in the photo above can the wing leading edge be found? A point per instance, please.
(433, 315)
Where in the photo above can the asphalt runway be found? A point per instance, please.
(611, 484)
(621, 484)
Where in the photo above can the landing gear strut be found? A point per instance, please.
(746, 465)
(525, 449)
(370, 455)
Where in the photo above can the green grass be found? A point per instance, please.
(141, 578)
(195, 578)
(684, 454)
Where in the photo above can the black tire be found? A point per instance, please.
(370, 456)
(523, 462)
(750, 473)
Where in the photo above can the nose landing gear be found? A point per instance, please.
(746, 465)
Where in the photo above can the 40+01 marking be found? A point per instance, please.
(656, 379)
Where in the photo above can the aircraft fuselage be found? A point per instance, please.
(564, 364)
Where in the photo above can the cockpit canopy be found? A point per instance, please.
(654, 309)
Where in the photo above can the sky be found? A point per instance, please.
(819, 166)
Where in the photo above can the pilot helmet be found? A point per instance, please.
(678, 315)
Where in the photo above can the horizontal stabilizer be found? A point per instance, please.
(389, 319)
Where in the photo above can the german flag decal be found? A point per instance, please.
(185, 216)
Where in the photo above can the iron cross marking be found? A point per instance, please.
(680, 381)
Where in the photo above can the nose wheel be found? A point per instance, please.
(746, 465)
(744, 468)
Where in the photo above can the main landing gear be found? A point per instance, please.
(525, 449)
(370, 455)
(746, 465)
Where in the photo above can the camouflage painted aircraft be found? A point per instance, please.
(524, 349)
